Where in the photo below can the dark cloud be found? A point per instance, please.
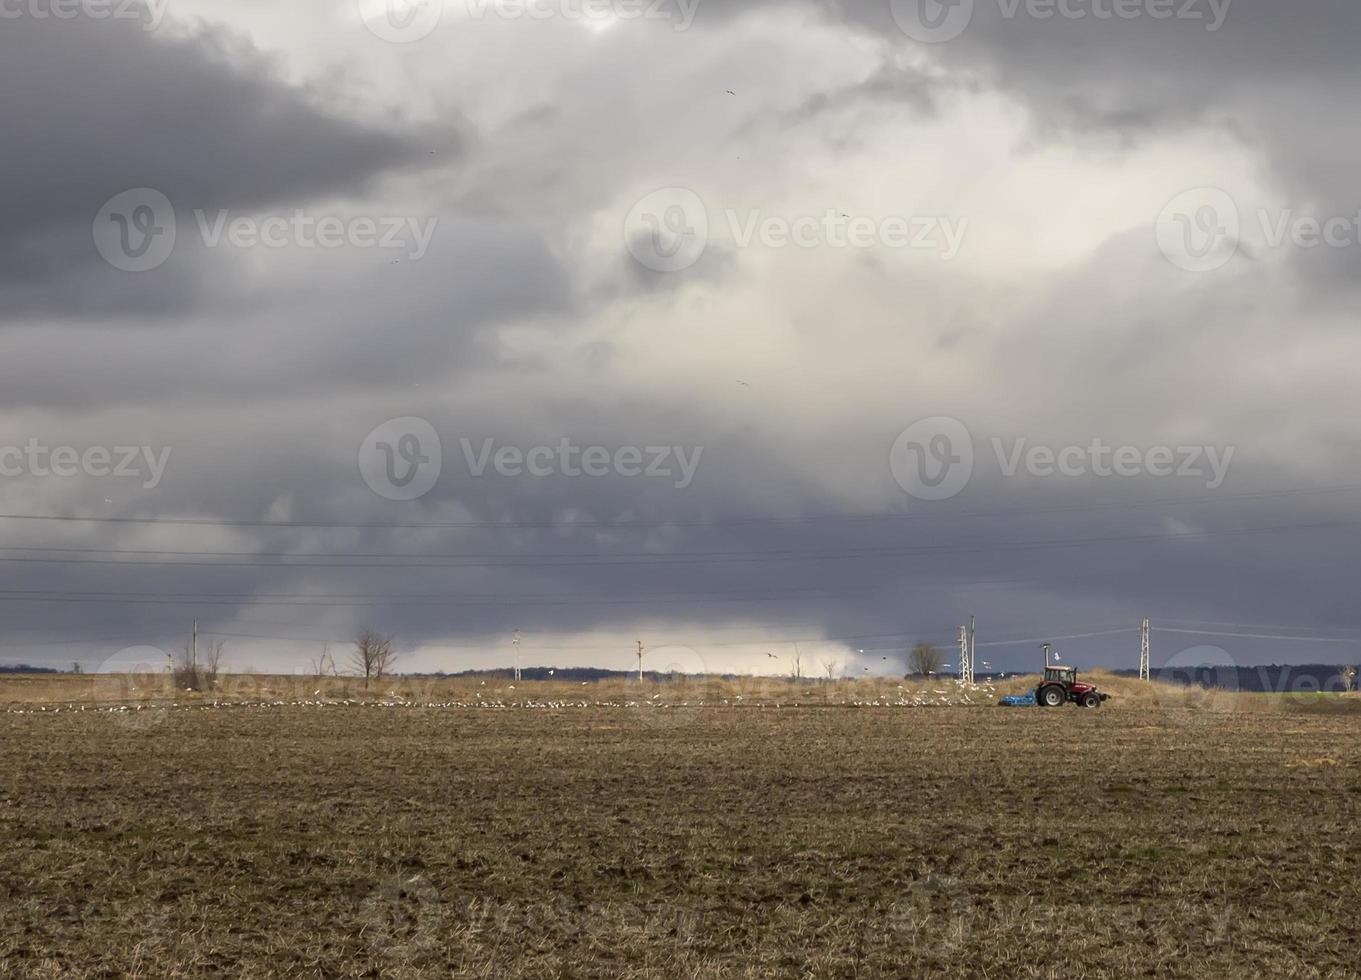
(795, 373)
(898, 84)
(354, 324)
(97, 107)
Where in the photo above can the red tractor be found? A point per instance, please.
(1061, 686)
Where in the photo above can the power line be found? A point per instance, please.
(1265, 626)
(754, 641)
(554, 559)
(1180, 501)
(1262, 636)
(757, 641)
(99, 641)
(936, 580)
(1071, 636)
(815, 593)
(443, 602)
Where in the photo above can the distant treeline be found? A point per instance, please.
(1276, 678)
(26, 669)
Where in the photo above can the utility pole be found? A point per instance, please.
(640, 660)
(193, 646)
(515, 642)
(1143, 649)
(972, 661)
(963, 653)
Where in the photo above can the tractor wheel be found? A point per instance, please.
(1053, 696)
(1091, 700)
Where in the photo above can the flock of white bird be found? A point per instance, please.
(958, 695)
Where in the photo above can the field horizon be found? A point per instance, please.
(17, 690)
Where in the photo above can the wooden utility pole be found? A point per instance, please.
(193, 646)
(515, 642)
(640, 660)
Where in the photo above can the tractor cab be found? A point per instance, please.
(1060, 675)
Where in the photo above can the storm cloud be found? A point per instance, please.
(791, 244)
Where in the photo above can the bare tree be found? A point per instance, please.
(1348, 675)
(830, 667)
(325, 664)
(373, 656)
(196, 669)
(210, 662)
(924, 659)
(387, 658)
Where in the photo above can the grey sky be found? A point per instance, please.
(1001, 228)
